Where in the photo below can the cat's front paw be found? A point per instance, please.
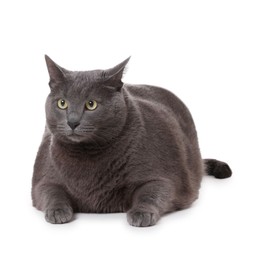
(142, 219)
(59, 215)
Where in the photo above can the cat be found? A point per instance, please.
(115, 147)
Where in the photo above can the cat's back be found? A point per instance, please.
(160, 104)
(149, 92)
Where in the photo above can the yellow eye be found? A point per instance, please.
(62, 104)
(91, 105)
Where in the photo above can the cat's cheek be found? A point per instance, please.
(59, 116)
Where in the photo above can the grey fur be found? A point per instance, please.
(137, 152)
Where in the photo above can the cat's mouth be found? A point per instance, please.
(79, 135)
(85, 134)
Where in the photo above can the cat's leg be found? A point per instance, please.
(55, 202)
(150, 202)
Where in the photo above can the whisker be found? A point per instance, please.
(84, 131)
(87, 127)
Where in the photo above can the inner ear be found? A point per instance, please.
(114, 75)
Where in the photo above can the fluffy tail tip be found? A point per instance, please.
(218, 169)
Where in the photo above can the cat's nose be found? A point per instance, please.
(73, 119)
(73, 124)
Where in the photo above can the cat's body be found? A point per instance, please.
(138, 154)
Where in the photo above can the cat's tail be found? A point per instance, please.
(217, 168)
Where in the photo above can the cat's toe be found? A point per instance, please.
(142, 219)
(58, 216)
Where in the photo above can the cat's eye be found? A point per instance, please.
(91, 105)
(62, 104)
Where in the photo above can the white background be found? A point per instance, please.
(206, 52)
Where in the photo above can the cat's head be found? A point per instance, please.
(85, 106)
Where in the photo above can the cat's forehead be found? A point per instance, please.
(79, 78)
(83, 82)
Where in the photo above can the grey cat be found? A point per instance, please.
(114, 147)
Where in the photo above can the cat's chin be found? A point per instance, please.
(76, 138)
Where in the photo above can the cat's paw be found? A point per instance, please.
(142, 219)
(59, 215)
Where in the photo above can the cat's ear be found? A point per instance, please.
(115, 74)
(57, 73)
